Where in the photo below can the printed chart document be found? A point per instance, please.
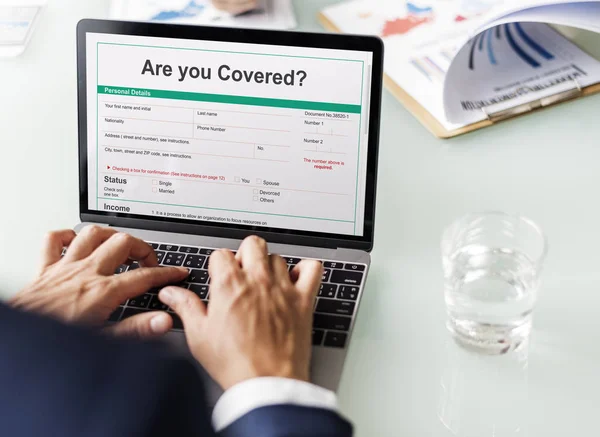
(229, 133)
(463, 59)
(270, 14)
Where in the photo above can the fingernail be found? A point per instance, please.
(166, 295)
(159, 324)
(184, 269)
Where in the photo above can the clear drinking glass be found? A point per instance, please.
(492, 263)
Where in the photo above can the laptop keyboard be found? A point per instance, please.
(335, 306)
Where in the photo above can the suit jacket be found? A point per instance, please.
(64, 381)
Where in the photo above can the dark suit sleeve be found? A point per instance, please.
(289, 421)
(63, 381)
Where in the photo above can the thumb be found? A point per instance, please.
(143, 326)
(186, 304)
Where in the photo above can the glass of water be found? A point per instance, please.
(492, 263)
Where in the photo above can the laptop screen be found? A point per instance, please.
(238, 134)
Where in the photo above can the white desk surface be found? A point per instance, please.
(401, 373)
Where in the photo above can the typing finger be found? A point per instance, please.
(187, 305)
(224, 270)
(88, 240)
(120, 248)
(308, 274)
(254, 258)
(133, 283)
(54, 244)
(280, 271)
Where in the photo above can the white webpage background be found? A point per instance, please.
(309, 199)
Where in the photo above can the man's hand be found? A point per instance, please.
(82, 288)
(235, 7)
(259, 321)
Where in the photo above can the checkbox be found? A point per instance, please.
(259, 181)
(237, 179)
(255, 191)
(154, 182)
(154, 189)
(256, 198)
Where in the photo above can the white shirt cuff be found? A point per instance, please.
(255, 393)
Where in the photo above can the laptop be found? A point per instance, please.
(193, 138)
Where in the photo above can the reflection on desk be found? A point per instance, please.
(471, 403)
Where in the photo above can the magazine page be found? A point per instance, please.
(581, 15)
(422, 37)
(513, 64)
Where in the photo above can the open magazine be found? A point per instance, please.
(466, 60)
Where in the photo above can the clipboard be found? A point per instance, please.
(436, 128)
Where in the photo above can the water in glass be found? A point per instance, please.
(490, 291)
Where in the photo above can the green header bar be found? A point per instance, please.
(234, 100)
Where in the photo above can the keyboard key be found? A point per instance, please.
(184, 249)
(335, 307)
(355, 267)
(348, 293)
(198, 277)
(317, 337)
(291, 261)
(326, 275)
(177, 323)
(326, 321)
(206, 251)
(346, 277)
(114, 317)
(160, 256)
(134, 265)
(121, 269)
(194, 261)
(333, 265)
(169, 247)
(335, 339)
(157, 305)
(173, 259)
(140, 301)
(130, 312)
(327, 290)
(154, 245)
(200, 290)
